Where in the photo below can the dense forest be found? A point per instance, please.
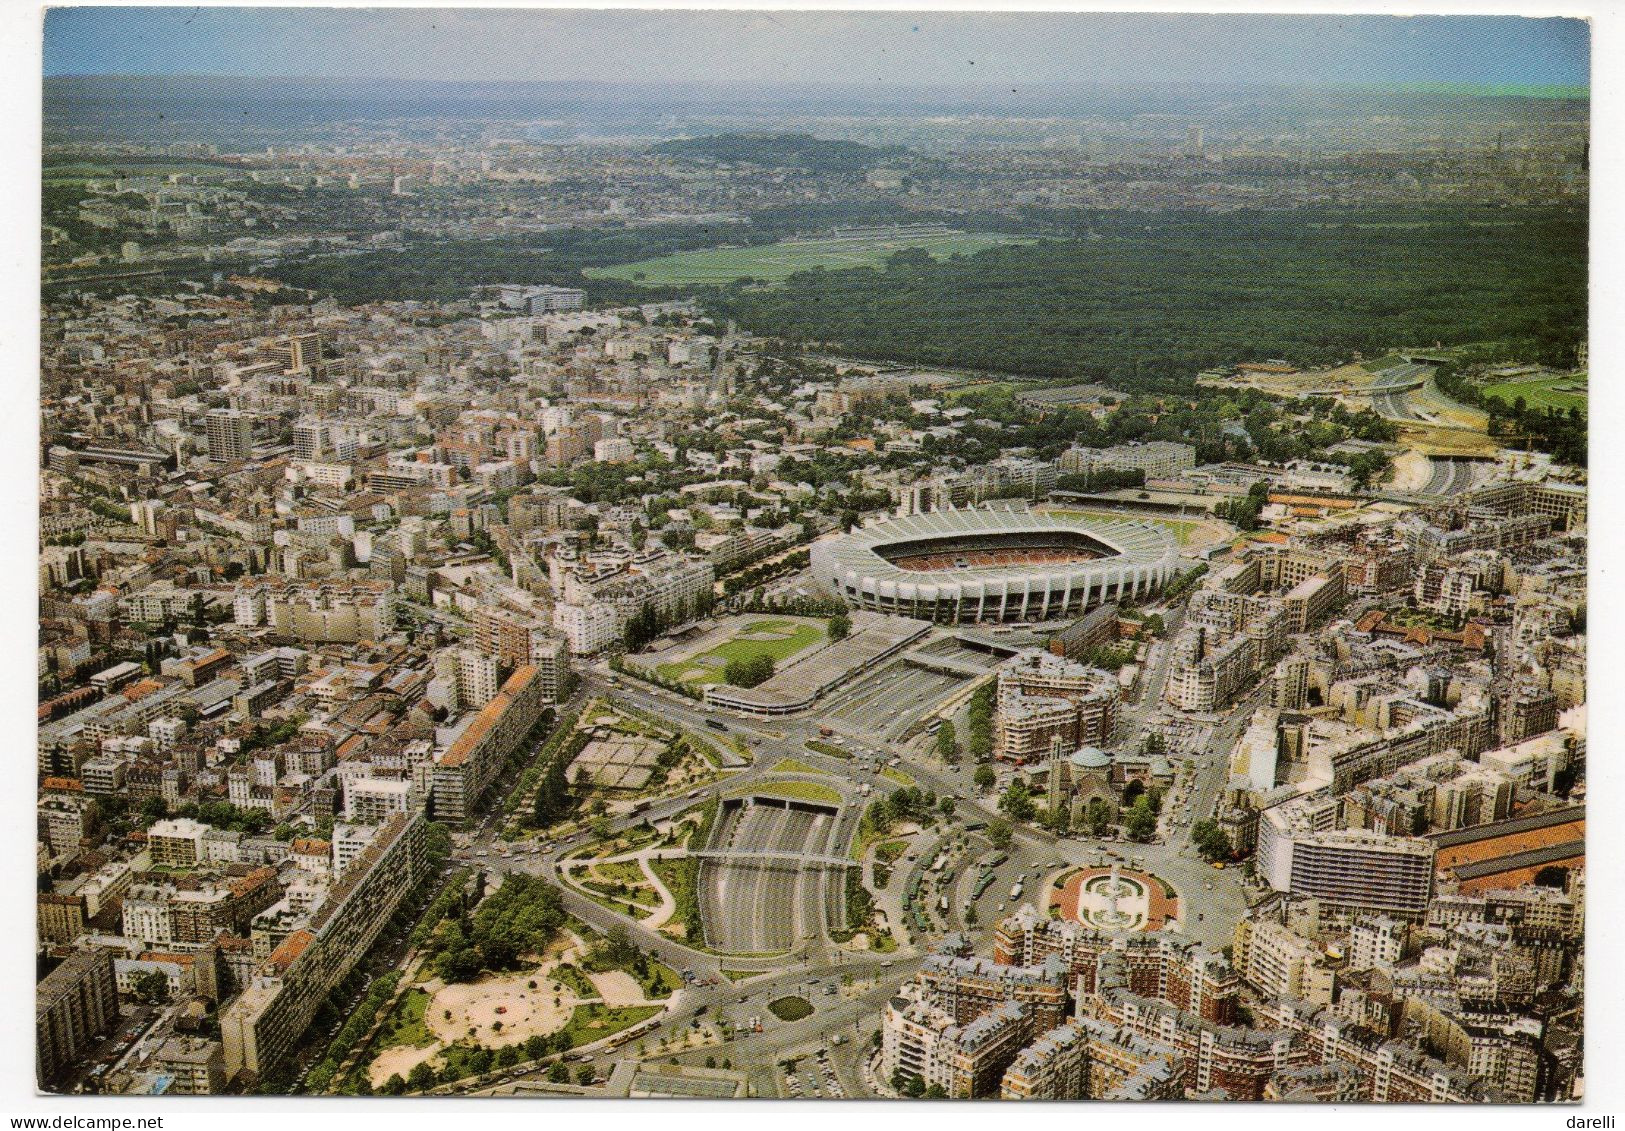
(1148, 306)
(1141, 301)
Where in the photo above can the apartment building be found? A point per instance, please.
(176, 843)
(1278, 962)
(465, 771)
(194, 1066)
(589, 628)
(229, 434)
(319, 611)
(1043, 697)
(1349, 871)
(1158, 459)
(969, 987)
(74, 1005)
(1159, 964)
(1090, 1059)
(262, 1026)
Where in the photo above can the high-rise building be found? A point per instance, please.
(230, 435)
(477, 677)
(76, 1003)
(261, 1027)
(1349, 871)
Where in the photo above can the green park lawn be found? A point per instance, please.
(790, 1008)
(594, 1021)
(405, 1025)
(795, 766)
(775, 262)
(797, 636)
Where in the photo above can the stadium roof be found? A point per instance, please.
(1130, 542)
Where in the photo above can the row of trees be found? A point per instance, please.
(554, 801)
(648, 622)
(1211, 840)
(979, 720)
(1561, 432)
(756, 575)
(1245, 511)
(479, 1060)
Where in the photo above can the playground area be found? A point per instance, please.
(508, 1009)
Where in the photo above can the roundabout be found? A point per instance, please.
(1116, 899)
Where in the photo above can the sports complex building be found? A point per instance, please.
(994, 564)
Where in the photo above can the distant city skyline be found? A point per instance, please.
(450, 44)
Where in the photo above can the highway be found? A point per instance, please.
(1213, 900)
(1450, 476)
(1390, 394)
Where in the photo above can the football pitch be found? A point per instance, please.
(1560, 392)
(780, 639)
(775, 262)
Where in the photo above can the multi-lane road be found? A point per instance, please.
(1390, 394)
(810, 962)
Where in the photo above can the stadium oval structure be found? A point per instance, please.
(1075, 562)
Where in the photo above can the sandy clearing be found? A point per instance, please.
(524, 1012)
(618, 988)
(401, 1059)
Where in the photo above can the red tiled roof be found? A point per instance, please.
(292, 947)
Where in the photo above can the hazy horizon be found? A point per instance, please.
(939, 49)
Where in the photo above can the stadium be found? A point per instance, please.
(986, 564)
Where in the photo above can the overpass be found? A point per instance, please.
(767, 856)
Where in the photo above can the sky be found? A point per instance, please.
(447, 44)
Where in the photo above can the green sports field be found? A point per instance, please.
(780, 638)
(1186, 531)
(776, 262)
(1562, 392)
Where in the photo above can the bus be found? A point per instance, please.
(626, 1036)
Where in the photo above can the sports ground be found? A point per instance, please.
(1563, 391)
(779, 637)
(1192, 532)
(776, 262)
